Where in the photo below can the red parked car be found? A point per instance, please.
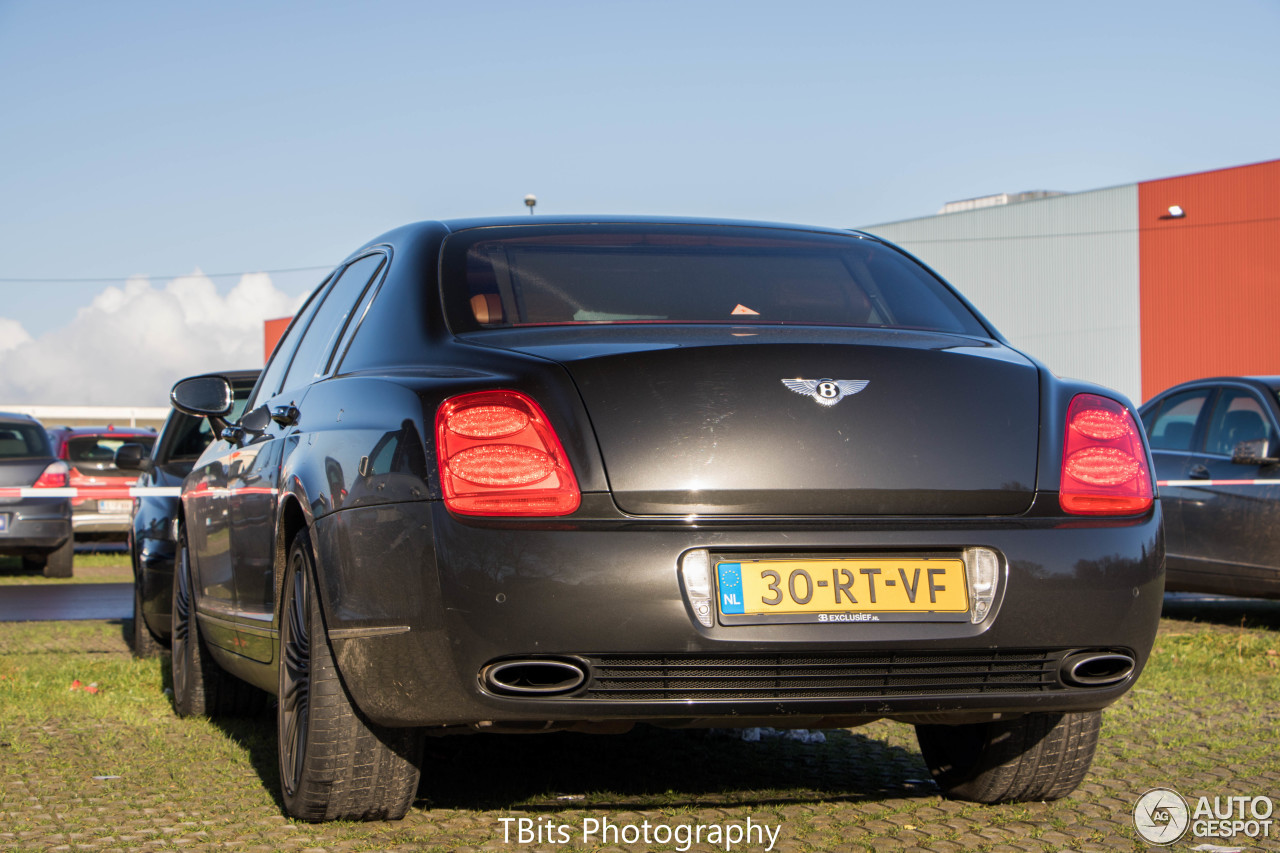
(101, 510)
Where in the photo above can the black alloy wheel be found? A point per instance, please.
(201, 688)
(334, 763)
(295, 676)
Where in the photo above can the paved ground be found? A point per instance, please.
(66, 602)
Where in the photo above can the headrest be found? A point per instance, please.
(1244, 425)
(488, 308)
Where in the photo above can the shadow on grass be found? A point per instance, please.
(1255, 613)
(255, 734)
(646, 768)
(11, 567)
(651, 767)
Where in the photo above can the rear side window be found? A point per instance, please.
(574, 275)
(23, 441)
(280, 359)
(1174, 423)
(330, 319)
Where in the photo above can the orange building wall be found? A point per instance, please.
(272, 331)
(1210, 282)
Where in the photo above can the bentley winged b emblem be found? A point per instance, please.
(826, 392)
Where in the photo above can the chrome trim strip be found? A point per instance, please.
(376, 631)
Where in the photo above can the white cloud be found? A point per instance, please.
(12, 335)
(131, 343)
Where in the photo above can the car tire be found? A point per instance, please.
(201, 688)
(145, 644)
(334, 764)
(55, 564)
(1029, 758)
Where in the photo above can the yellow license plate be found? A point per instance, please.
(908, 585)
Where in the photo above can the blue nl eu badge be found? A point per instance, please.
(730, 576)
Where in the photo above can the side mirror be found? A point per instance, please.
(203, 396)
(256, 421)
(251, 423)
(133, 457)
(1256, 452)
(208, 396)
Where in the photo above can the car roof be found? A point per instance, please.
(238, 377)
(495, 221)
(108, 429)
(1270, 383)
(463, 224)
(18, 417)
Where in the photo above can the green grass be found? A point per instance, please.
(1201, 719)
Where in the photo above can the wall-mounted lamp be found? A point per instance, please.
(1176, 211)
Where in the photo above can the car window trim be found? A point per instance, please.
(352, 326)
(1220, 389)
(317, 294)
(324, 294)
(1200, 426)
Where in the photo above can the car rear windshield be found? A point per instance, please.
(23, 441)
(97, 453)
(555, 275)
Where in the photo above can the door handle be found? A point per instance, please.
(285, 415)
(1199, 472)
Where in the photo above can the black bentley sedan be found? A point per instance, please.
(161, 467)
(577, 474)
(1216, 446)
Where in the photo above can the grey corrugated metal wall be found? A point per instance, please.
(1057, 276)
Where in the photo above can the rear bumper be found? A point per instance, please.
(92, 521)
(35, 525)
(418, 602)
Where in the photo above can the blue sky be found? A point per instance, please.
(157, 139)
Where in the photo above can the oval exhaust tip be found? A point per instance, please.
(533, 677)
(1097, 669)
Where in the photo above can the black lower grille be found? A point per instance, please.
(810, 676)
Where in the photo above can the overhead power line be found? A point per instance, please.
(110, 279)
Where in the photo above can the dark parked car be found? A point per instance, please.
(160, 470)
(1216, 448)
(35, 509)
(100, 508)
(511, 477)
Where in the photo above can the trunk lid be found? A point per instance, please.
(24, 471)
(701, 421)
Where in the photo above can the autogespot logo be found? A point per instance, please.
(1161, 816)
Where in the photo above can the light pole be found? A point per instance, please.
(529, 201)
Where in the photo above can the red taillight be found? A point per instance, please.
(1104, 464)
(55, 476)
(498, 455)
